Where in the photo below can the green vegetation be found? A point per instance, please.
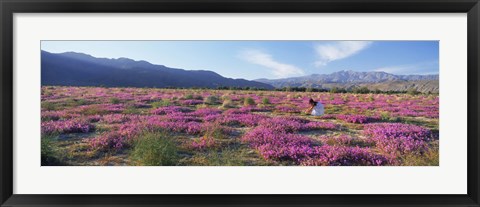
(248, 101)
(49, 152)
(337, 90)
(76, 102)
(361, 90)
(114, 100)
(227, 103)
(48, 106)
(161, 103)
(226, 157)
(188, 96)
(428, 158)
(265, 101)
(211, 100)
(93, 110)
(154, 149)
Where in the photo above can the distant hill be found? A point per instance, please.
(78, 69)
(349, 79)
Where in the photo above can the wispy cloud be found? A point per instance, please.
(328, 52)
(421, 68)
(280, 70)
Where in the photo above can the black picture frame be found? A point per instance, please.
(10, 7)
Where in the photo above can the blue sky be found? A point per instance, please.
(268, 59)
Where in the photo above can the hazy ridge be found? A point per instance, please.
(349, 79)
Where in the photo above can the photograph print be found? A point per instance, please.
(240, 103)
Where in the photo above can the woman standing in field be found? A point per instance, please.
(316, 108)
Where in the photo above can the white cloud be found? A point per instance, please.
(280, 70)
(329, 52)
(421, 68)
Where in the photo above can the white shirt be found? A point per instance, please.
(318, 110)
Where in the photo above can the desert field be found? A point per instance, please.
(89, 126)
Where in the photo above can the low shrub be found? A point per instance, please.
(428, 158)
(227, 103)
(161, 103)
(226, 157)
(76, 102)
(265, 101)
(154, 149)
(211, 100)
(114, 100)
(248, 101)
(48, 106)
(49, 153)
(188, 96)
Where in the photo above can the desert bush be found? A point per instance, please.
(227, 103)
(188, 96)
(76, 102)
(93, 110)
(49, 153)
(265, 101)
(215, 131)
(227, 157)
(114, 100)
(198, 97)
(161, 103)
(48, 106)
(429, 158)
(370, 98)
(211, 100)
(132, 110)
(204, 143)
(154, 149)
(248, 101)
(225, 97)
(385, 116)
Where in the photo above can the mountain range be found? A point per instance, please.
(348, 79)
(78, 69)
